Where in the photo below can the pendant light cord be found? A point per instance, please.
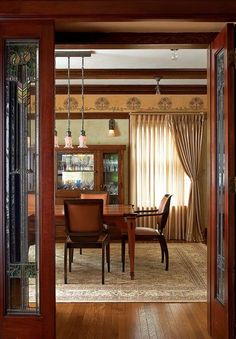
(82, 93)
(68, 93)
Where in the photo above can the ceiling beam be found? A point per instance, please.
(180, 73)
(132, 89)
(133, 40)
(120, 10)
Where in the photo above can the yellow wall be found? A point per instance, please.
(97, 129)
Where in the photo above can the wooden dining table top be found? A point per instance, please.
(113, 210)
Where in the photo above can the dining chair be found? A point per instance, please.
(159, 218)
(95, 195)
(84, 229)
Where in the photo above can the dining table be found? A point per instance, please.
(121, 219)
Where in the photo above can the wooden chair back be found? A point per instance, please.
(163, 212)
(96, 195)
(158, 216)
(83, 217)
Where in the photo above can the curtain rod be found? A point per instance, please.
(169, 113)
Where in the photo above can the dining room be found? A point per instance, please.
(117, 113)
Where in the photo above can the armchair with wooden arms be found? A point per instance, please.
(84, 228)
(159, 216)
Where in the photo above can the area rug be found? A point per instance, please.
(186, 280)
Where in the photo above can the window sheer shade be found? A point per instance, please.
(157, 170)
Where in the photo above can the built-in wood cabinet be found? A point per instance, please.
(96, 168)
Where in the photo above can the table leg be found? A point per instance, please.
(131, 224)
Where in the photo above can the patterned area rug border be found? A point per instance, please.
(186, 280)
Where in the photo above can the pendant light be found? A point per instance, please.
(68, 137)
(158, 91)
(82, 137)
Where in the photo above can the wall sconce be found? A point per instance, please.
(111, 131)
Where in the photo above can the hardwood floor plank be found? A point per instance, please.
(186, 327)
(163, 319)
(132, 321)
(195, 316)
(154, 328)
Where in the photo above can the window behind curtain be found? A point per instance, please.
(157, 170)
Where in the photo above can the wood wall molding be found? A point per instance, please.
(132, 89)
(133, 40)
(180, 73)
(121, 10)
(93, 115)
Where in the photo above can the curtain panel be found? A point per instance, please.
(157, 169)
(187, 131)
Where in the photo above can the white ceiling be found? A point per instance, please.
(136, 59)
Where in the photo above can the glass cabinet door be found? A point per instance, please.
(111, 176)
(75, 171)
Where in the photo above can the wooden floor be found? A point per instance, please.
(131, 320)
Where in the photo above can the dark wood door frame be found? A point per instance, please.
(40, 325)
(120, 10)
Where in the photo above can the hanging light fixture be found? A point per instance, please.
(158, 91)
(111, 131)
(68, 137)
(82, 137)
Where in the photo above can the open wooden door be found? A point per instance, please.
(27, 243)
(221, 240)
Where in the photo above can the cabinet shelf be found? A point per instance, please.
(106, 171)
(76, 171)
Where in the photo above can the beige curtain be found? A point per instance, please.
(187, 131)
(155, 170)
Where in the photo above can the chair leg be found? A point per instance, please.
(72, 255)
(162, 251)
(123, 254)
(70, 258)
(166, 252)
(108, 256)
(80, 251)
(103, 259)
(65, 263)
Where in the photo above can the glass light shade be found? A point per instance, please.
(82, 140)
(111, 132)
(68, 140)
(56, 139)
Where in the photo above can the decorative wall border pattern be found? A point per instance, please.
(127, 103)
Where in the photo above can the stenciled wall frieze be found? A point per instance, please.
(132, 103)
